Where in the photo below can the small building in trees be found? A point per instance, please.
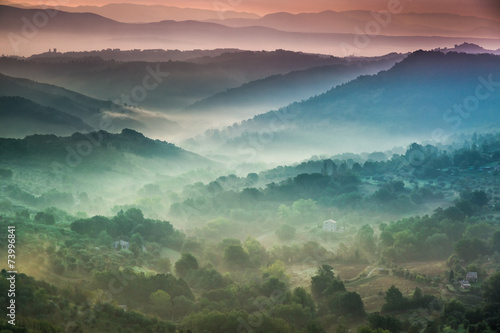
(464, 284)
(121, 244)
(330, 225)
(471, 277)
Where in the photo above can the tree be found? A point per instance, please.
(276, 270)
(186, 263)
(496, 241)
(236, 255)
(451, 276)
(135, 249)
(347, 303)
(394, 300)
(319, 282)
(470, 249)
(40, 299)
(257, 252)
(137, 239)
(252, 178)
(365, 237)
(438, 246)
(164, 265)
(57, 265)
(104, 239)
(301, 297)
(324, 282)
(454, 307)
(273, 286)
(181, 306)
(161, 303)
(390, 323)
(491, 289)
(386, 238)
(42, 217)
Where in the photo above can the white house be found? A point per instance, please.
(121, 244)
(330, 225)
(464, 284)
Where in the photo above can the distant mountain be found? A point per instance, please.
(20, 116)
(468, 48)
(181, 84)
(83, 31)
(121, 154)
(67, 101)
(137, 13)
(427, 96)
(158, 55)
(403, 24)
(279, 90)
(77, 111)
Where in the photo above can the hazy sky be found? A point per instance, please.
(477, 7)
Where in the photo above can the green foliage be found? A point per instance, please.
(347, 303)
(42, 217)
(257, 252)
(126, 224)
(104, 239)
(300, 296)
(300, 212)
(207, 278)
(161, 303)
(491, 289)
(324, 283)
(394, 300)
(57, 265)
(236, 257)
(365, 238)
(470, 249)
(496, 241)
(185, 264)
(386, 323)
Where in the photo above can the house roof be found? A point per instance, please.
(330, 221)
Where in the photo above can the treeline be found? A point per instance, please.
(336, 183)
(446, 230)
(126, 225)
(41, 307)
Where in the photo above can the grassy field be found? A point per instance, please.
(371, 282)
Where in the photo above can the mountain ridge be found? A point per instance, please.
(70, 31)
(401, 101)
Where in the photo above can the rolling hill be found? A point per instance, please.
(279, 90)
(402, 24)
(126, 154)
(427, 96)
(183, 83)
(20, 116)
(82, 31)
(139, 13)
(30, 107)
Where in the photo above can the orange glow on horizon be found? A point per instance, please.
(485, 8)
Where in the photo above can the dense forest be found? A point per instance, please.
(249, 253)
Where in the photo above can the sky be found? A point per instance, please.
(485, 8)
